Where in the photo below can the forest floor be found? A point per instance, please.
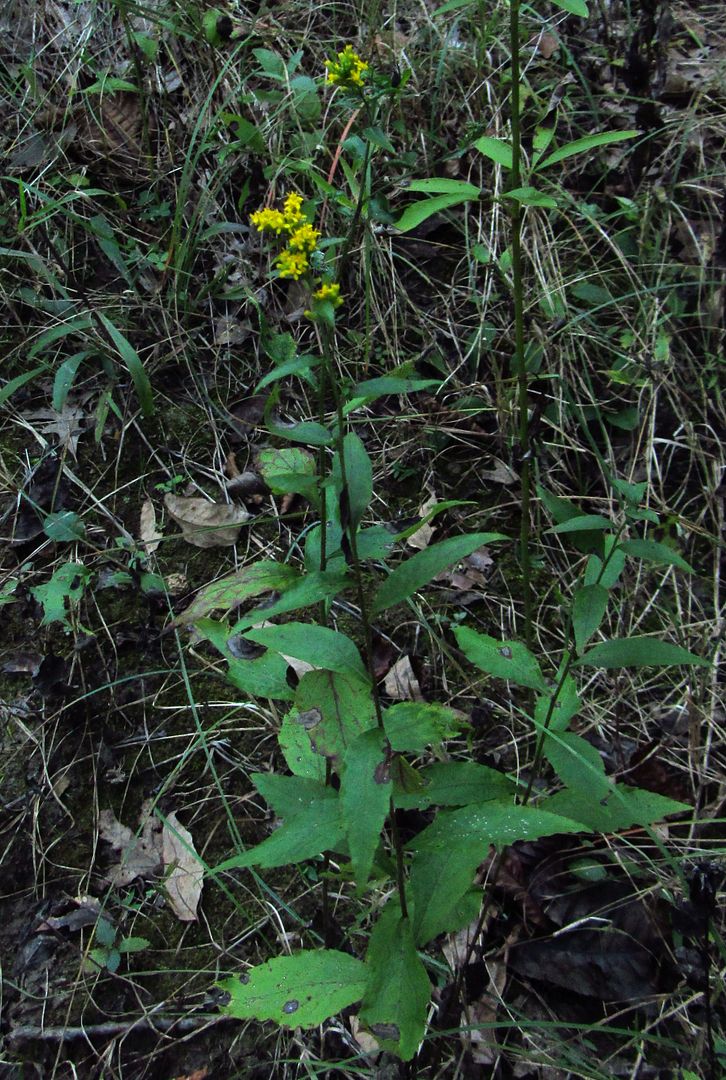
(135, 149)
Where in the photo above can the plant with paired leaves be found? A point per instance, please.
(352, 761)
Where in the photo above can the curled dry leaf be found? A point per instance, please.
(205, 524)
(138, 854)
(148, 533)
(401, 683)
(422, 537)
(184, 883)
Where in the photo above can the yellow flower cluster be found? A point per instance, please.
(331, 293)
(348, 70)
(302, 241)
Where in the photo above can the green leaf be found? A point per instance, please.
(456, 783)
(64, 526)
(271, 63)
(655, 552)
(619, 809)
(448, 852)
(105, 933)
(529, 196)
(301, 366)
(64, 377)
(301, 990)
(589, 142)
(575, 7)
(398, 991)
(317, 645)
(312, 824)
(566, 706)
(584, 523)
(345, 709)
(391, 384)
(378, 137)
(503, 659)
(638, 652)
(308, 431)
(309, 590)
(588, 609)
(420, 211)
(264, 676)
(20, 380)
(412, 725)
(359, 478)
(614, 568)
(67, 583)
(497, 150)
(133, 944)
(443, 186)
(365, 793)
(417, 571)
(229, 592)
(56, 333)
(276, 465)
(577, 763)
(297, 749)
(134, 363)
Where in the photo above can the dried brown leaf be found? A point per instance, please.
(423, 536)
(401, 683)
(139, 854)
(184, 883)
(205, 524)
(148, 532)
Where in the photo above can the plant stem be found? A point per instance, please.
(519, 358)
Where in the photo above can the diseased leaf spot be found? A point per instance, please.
(506, 652)
(309, 719)
(382, 774)
(291, 1006)
(244, 978)
(386, 1031)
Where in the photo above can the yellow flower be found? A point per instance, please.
(348, 70)
(291, 211)
(331, 293)
(292, 264)
(267, 220)
(304, 239)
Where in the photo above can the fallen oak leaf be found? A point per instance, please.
(139, 854)
(148, 532)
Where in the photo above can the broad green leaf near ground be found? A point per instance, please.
(317, 645)
(300, 990)
(509, 660)
(365, 795)
(334, 710)
(398, 991)
(639, 652)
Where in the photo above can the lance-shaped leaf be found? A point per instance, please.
(398, 991)
(365, 795)
(316, 645)
(134, 363)
(422, 567)
(577, 763)
(638, 652)
(655, 552)
(309, 590)
(312, 822)
(565, 707)
(575, 7)
(620, 808)
(413, 725)
(588, 609)
(588, 142)
(358, 490)
(448, 852)
(496, 150)
(229, 592)
(335, 710)
(419, 212)
(583, 523)
(503, 659)
(455, 783)
(301, 990)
